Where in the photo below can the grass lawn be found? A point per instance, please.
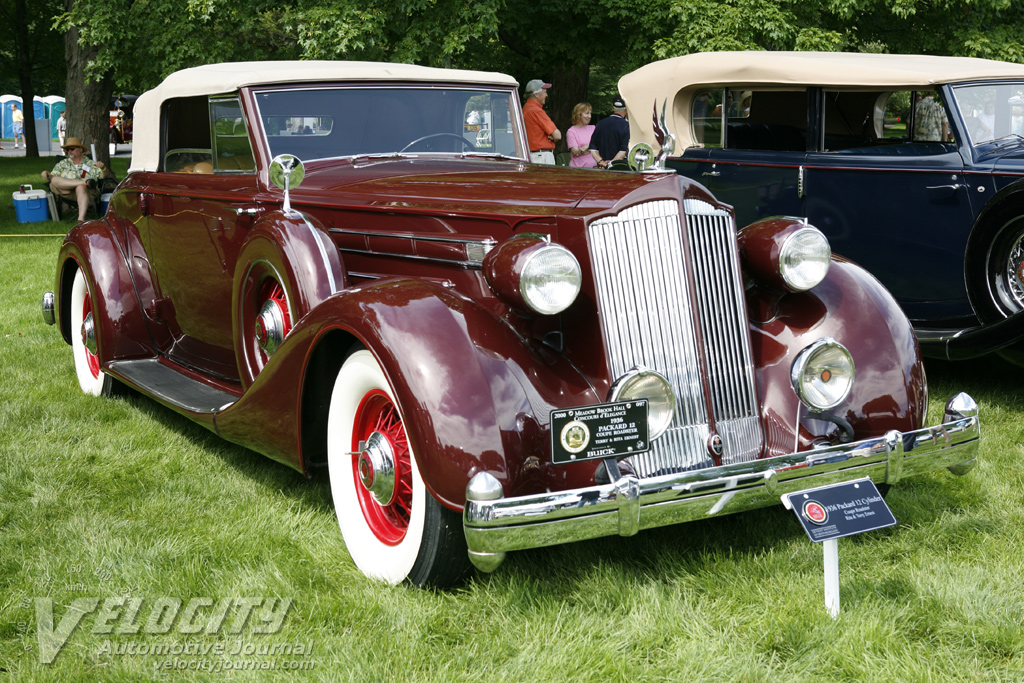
(139, 515)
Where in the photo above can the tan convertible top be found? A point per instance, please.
(228, 77)
(679, 77)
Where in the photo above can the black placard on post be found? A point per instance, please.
(607, 430)
(852, 507)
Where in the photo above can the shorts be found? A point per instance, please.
(19, 128)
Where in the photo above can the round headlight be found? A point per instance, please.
(550, 280)
(804, 258)
(661, 400)
(822, 374)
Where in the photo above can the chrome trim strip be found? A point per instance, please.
(319, 237)
(534, 521)
(467, 264)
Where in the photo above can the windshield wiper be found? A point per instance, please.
(489, 155)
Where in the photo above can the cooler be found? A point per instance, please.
(30, 205)
(104, 201)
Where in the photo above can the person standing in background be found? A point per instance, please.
(18, 119)
(611, 137)
(541, 131)
(578, 137)
(62, 127)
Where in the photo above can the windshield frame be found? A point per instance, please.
(1008, 115)
(516, 127)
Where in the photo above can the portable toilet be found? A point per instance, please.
(55, 104)
(5, 115)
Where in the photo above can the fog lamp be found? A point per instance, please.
(822, 374)
(661, 400)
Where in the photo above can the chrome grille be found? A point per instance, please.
(639, 260)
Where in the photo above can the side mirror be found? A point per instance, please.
(286, 172)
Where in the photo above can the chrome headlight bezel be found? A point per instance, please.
(653, 386)
(807, 374)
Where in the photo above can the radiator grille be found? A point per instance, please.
(646, 305)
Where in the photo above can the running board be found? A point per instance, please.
(169, 386)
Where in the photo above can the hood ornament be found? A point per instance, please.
(641, 156)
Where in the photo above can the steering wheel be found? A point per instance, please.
(461, 139)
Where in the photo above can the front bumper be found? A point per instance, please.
(494, 524)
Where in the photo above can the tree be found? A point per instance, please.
(30, 49)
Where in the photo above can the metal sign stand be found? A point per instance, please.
(830, 550)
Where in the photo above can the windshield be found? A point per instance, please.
(991, 111)
(321, 123)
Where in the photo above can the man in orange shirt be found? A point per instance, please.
(540, 129)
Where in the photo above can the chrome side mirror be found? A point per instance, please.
(287, 172)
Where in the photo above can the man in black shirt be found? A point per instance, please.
(611, 136)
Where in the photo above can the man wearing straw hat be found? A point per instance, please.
(76, 177)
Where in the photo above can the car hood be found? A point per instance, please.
(467, 185)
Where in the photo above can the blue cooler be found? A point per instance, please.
(30, 205)
(105, 202)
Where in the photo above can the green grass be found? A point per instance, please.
(113, 497)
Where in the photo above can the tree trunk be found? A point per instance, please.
(568, 88)
(87, 101)
(24, 69)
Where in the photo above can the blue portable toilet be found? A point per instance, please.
(55, 104)
(5, 115)
(38, 108)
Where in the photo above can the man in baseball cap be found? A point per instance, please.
(540, 129)
(610, 141)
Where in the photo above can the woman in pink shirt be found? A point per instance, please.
(578, 137)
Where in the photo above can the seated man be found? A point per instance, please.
(75, 176)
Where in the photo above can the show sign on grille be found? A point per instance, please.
(607, 430)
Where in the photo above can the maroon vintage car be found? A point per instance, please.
(324, 262)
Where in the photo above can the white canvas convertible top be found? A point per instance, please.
(677, 78)
(228, 77)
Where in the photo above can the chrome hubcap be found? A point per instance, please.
(89, 334)
(270, 327)
(377, 468)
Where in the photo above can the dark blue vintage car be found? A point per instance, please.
(911, 165)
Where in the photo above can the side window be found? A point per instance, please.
(185, 132)
(707, 125)
(232, 152)
(768, 120)
(899, 122)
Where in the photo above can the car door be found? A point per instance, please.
(892, 199)
(198, 220)
(754, 143)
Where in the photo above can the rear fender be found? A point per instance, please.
(120, 328)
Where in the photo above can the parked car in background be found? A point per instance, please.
(121, 108)
(314, 260)
(911, 165)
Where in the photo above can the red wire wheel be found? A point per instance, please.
(389, 522)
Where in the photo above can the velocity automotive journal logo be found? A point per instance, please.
(133, 616)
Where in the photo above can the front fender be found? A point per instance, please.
(290, 247)
(474, 395)
(120, 325)
(851, 306)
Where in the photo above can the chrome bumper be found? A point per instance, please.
(494, 524)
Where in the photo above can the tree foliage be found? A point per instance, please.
(580, 47)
